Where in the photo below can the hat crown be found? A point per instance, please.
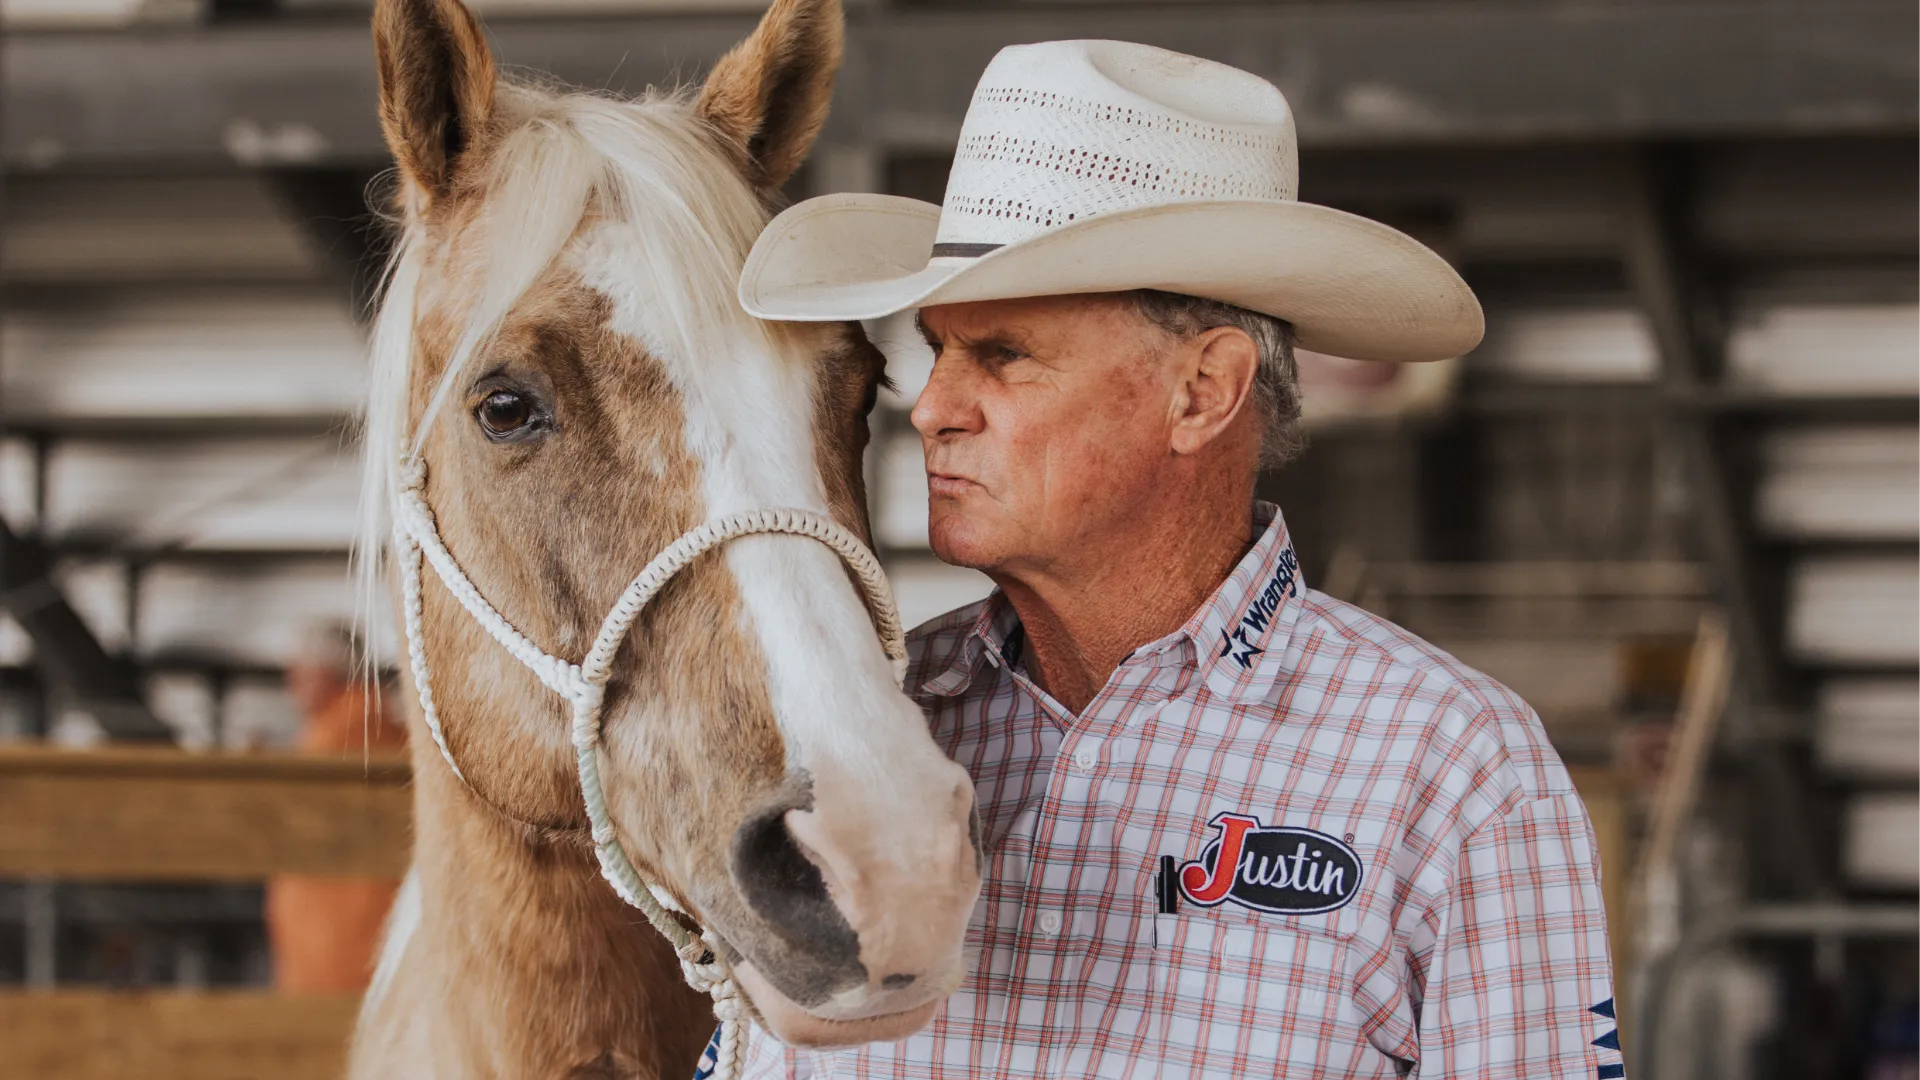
(1065, 130)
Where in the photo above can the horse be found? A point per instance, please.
(563, 388)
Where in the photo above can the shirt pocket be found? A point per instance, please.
(1259, 996)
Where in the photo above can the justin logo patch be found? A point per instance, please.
(1281, 870)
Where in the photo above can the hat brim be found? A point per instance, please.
(1350, 286)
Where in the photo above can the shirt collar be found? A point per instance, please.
(984, 641)
(1239, 635)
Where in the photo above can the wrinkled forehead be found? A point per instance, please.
(1032, 318)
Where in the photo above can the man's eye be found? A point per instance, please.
(504, 414)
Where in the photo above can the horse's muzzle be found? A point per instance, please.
(861, 905)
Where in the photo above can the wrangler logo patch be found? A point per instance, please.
(1238, 639)
(1281, 870)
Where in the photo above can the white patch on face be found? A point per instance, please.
(749, 421)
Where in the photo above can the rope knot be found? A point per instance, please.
(413, 473)
(728, 1007)
(588, 693)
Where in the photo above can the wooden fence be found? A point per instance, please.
(132, 815)
(172, 1035)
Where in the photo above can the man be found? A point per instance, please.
(324, 931)
(1231, 826)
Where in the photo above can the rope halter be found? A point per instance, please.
(584, 685)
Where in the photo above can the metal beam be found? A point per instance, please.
(301, 92)
(1401, 72)
(65, 649)
(1820, 923)
(1663, 271)
(1663, 267)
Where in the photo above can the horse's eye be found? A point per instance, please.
(504, 414)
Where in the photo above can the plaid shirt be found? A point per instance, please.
(1415, 889)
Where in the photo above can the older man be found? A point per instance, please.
(1232, 826)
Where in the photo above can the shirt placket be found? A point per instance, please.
(1068, 826)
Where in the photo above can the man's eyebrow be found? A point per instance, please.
(1011, 339)
(1001, 338)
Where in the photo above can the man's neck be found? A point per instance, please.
(1084, 616)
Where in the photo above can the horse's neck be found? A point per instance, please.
(523, 964)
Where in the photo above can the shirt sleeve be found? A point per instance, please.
(1512, 978)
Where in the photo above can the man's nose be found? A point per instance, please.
(947, 406)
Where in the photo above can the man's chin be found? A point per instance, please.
(958, 542)
(795, 1026)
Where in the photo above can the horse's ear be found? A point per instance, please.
(436, 87)
(769, 95)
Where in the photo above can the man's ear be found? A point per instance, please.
(769, 95)
(436, 88)
(1218, 382)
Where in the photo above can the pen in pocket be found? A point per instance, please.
(1166, 889)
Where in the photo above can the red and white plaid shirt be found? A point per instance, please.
(1459, 933)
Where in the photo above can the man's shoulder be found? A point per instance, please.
(1465, 713)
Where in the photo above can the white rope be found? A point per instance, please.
(409, 555)
(417, 541)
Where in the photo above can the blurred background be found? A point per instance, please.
(1674, 499)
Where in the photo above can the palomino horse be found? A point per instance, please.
(564, 385)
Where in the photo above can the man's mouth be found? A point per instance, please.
(948, 484)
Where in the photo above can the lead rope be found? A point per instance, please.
(417, 536)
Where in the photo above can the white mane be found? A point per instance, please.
(649, 164)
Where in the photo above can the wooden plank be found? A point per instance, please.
(168, 815)
(226, 1035)
(123, 760)
(1709, 679)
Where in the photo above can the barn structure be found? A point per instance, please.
(1674, 499)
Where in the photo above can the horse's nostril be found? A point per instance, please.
(808, 950)
(772, 870)
(897, 982)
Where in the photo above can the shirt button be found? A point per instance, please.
(1087, 757)
(1049, 923)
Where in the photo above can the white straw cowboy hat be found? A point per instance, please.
(1103, 166)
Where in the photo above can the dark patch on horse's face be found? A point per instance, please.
(803, 944)
(577, 466)
(851, 371)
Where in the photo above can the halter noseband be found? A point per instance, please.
(584, 685)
